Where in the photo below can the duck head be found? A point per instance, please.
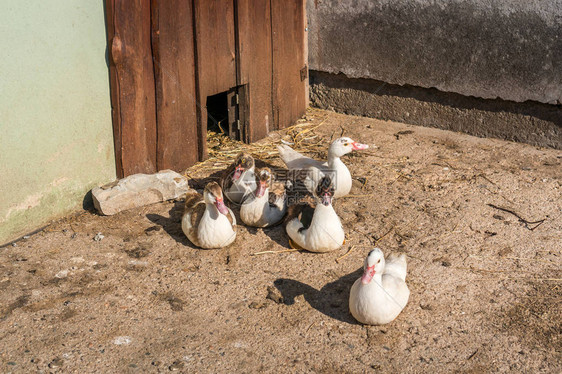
(213, 195)
(242, 163)
(374, 263)
(325, 190)
(343, 146)
(264, 177)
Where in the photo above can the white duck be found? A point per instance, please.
(314, 170)
(316, 229)
(268, 204)
(206, 221)
(238, 180)
(381, 293)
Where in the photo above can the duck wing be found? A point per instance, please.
(304, 211)
(195, 207)
(231, 219)
(277, 195)
(296, 160)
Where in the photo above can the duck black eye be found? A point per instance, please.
(379, 261)
(345, 144)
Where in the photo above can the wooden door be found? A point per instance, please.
(174, 69)
(255, 65)
(132, 86)
(289, 61)
(216, 56)
(168, 56)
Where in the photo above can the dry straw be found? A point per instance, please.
(223, 150)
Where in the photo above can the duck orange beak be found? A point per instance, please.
(358, 146)
(219, 203)
(368, 274)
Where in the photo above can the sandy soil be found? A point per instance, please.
(485, 287)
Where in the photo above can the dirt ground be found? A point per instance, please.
(486, 287)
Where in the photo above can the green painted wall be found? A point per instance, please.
(56, 139)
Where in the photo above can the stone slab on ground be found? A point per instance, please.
(138, 190)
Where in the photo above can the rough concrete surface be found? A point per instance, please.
(485, 284)
(508, 49)
(530, 122)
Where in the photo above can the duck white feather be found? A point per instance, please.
(311, 171)
(381, 293)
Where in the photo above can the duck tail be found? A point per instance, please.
(191, 199)
(396, 265)
(287, 153)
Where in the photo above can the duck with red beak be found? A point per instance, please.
(207, 221)
(238, 180)
(267, 205)
(381, 293)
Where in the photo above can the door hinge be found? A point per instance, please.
(237, 98)
(304, 73)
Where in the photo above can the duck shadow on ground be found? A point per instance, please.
(172, 224)
(332, 300)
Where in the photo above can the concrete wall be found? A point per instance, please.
(507, 49)
(56, 137)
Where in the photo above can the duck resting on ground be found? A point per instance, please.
(206, 221)
(313, 170)
(238, 179)
(316, 227)
(267, 204)
(381, 293)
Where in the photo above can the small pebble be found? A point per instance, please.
(62, 274)
(177, 365)
(122, 340)
(257, 305)
(99, 236)
(56, 363)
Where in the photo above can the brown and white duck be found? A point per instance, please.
(315, 226)
(267, 204)
(238, 180)
(206, 221)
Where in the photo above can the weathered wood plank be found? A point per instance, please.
(255, 64)
(132, 69)
(216, 55)
(114, 88)
(174, 66)
(289, 89)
